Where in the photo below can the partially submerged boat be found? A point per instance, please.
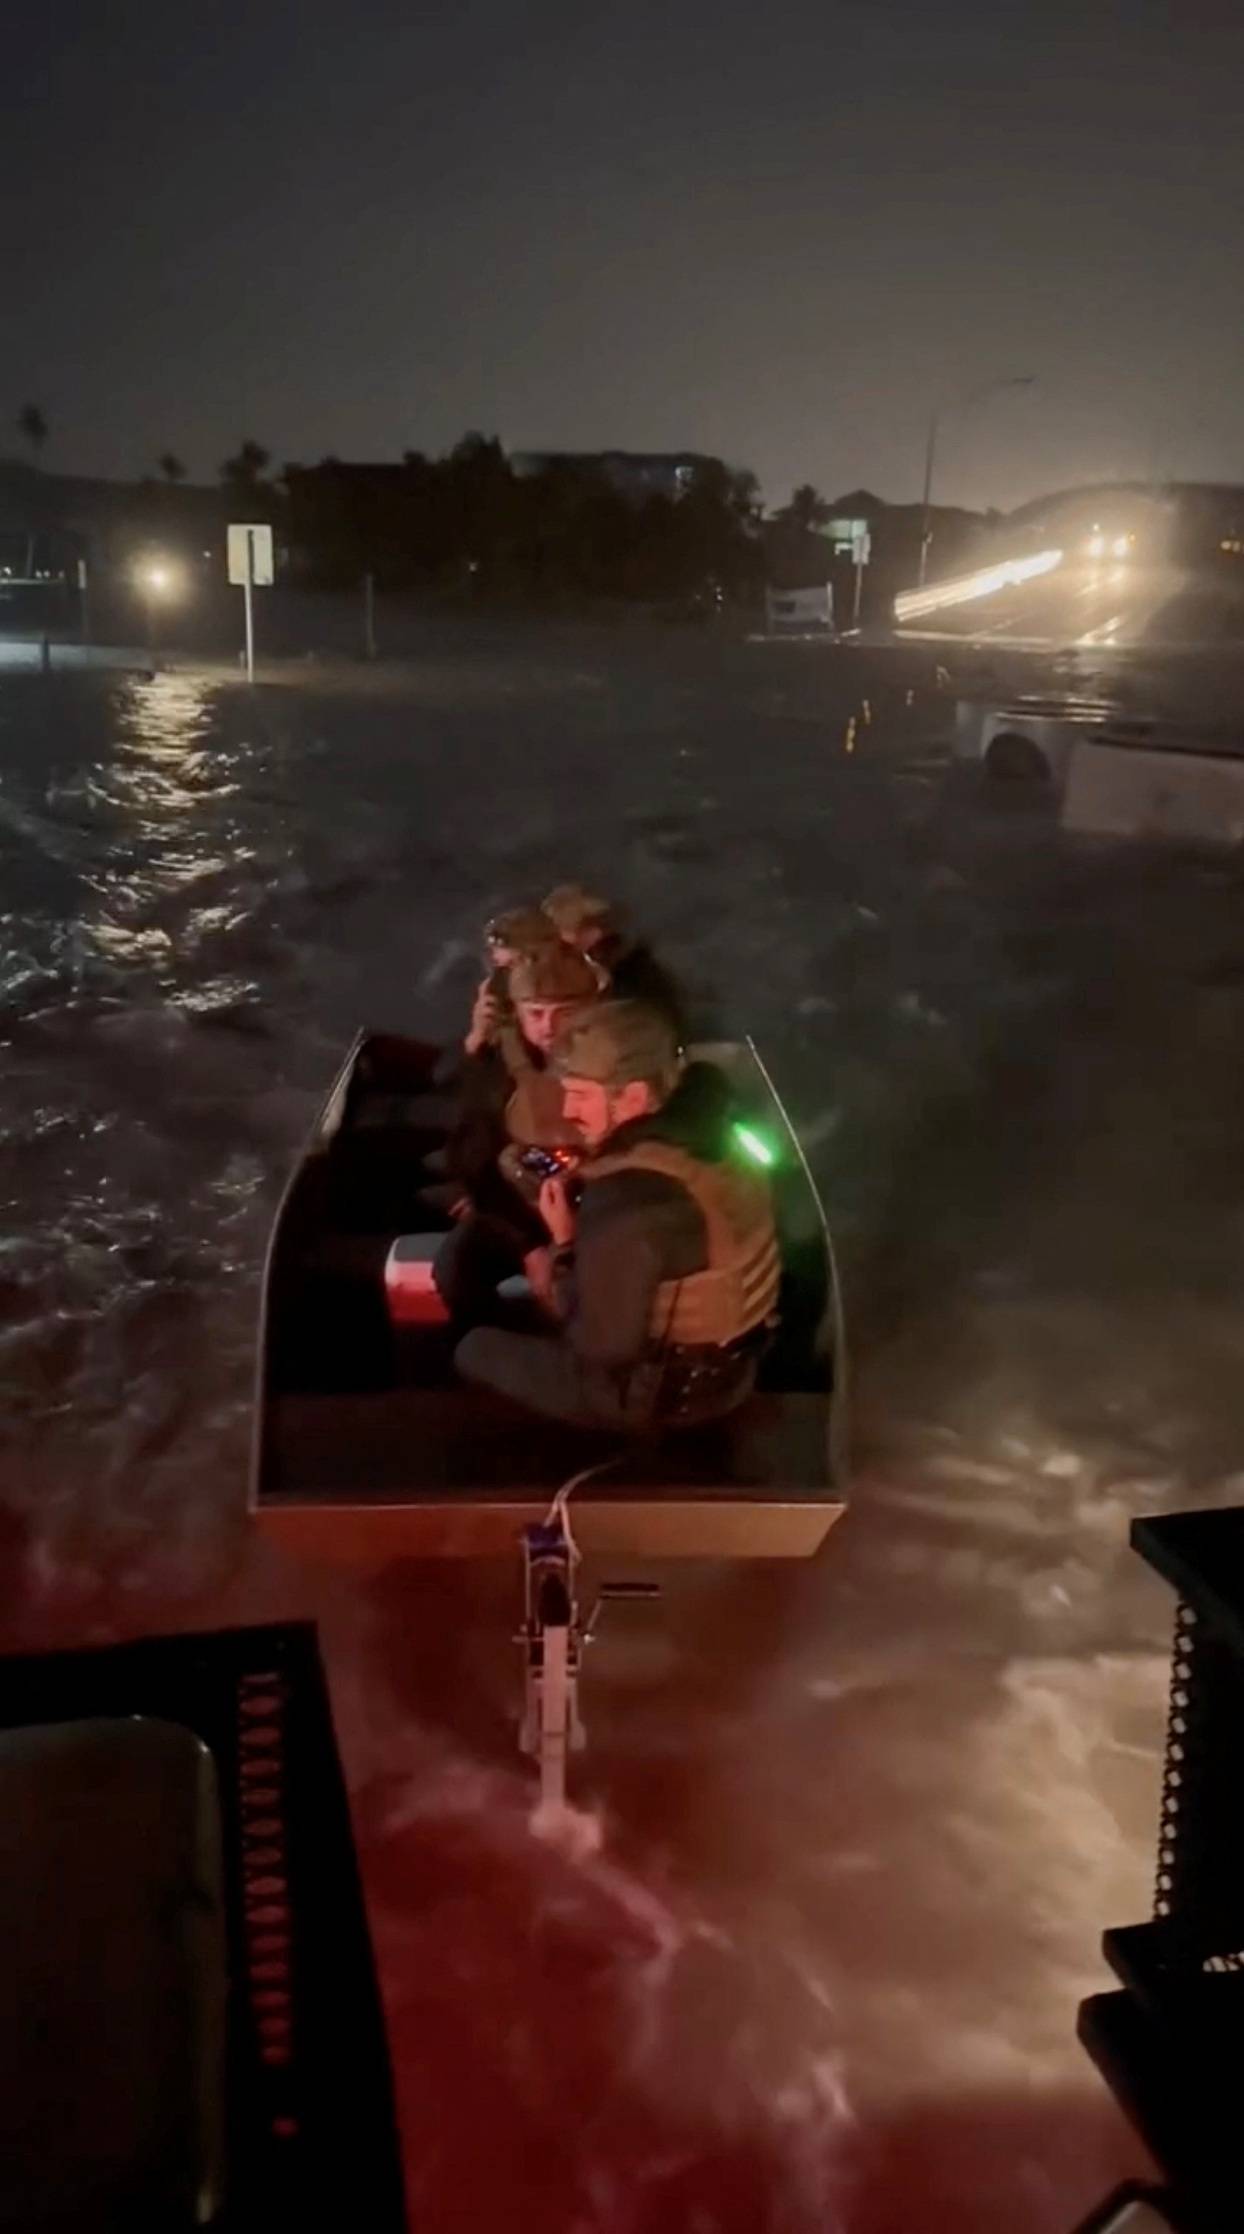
(368, 1448)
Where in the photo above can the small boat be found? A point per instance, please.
(368, 1448)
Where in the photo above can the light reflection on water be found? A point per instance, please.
(167, 804)
(165, 713)
(138, 1196)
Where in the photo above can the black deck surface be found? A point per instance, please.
(311, 2133)
(409, 1444)
(1201, 1555)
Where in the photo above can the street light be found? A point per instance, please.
(975, 395)
(157, 580)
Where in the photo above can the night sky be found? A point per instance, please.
(775, 232)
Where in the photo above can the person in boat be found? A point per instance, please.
(512, 1102)
(509, 938)
(662, 1273)
(591, 924)
(533, 986)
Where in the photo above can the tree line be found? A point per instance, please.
(468, 518)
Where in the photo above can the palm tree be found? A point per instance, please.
(245, 470)
(807, 508)
(32, 426)
(171, 467)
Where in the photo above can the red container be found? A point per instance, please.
(413, 1296)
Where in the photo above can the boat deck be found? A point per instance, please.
(443, 1472)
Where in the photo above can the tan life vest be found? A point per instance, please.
(513, 1048)
(738, 1289)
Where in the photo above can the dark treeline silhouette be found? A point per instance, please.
(470, 520)
(244, 473)
(32, 427)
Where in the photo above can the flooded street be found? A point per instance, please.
(849, 1835)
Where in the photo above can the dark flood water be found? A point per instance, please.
(847, 1838)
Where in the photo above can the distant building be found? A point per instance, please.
(61, 531)
(634, 474)
(798, 557)
(61, 517)
(895, 532)
(384, 476)
(40, 538)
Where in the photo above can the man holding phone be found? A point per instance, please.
(661, 1272)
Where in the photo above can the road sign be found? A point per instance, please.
(250, 555)
(250, 568)
(851, 539)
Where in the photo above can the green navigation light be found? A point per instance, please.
(753, 1146)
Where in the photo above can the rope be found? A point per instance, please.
(559, 1510)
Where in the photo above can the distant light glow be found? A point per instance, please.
(753, 1146)
(911, 604)
(158, 577)
(1096, 545)
(1121, 545)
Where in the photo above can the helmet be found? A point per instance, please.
(523, 929)
(554, 972)
(570, 909)
(619, 1042)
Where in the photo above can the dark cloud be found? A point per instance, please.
(775, 232)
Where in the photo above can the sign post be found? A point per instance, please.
(861, 551)
(249, 603)
(250, 568)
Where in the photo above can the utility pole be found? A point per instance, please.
(926, 502)
(976, 395)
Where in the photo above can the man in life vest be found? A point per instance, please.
(511, 1102)
(662, 1276)
(509, 938)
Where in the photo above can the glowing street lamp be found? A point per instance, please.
(157, 579)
